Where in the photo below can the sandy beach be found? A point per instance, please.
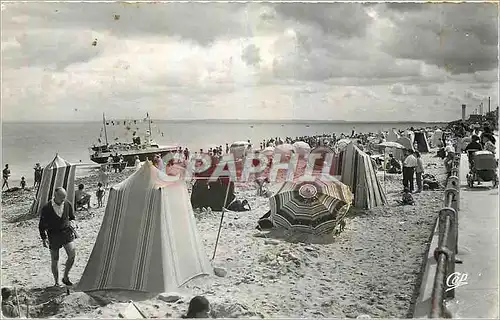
(372, 268)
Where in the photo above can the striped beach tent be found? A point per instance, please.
(420, 138)
(358, 173)
(314, 207)
(58, 173)
(148, 241)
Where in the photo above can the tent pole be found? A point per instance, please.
(221, 217)
(385, 167)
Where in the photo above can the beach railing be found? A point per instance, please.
(447, 245)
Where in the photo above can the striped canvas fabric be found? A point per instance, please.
(148, 240)
(58, 173)
(318, 213)
(358, 173)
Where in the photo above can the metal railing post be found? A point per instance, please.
(447, 217)
(447, 248)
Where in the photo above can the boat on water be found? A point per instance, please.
(144, 147)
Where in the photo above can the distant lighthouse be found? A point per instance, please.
(464, 107)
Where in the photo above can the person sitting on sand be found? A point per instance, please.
(55, 225)
(9, 309)
(100, 195)
(239, 206)
(407, 198)
(265, 222)
(199, 307)
(261, 185)
(393, 165)
(23, 183)
(81, 197)
(449, 148)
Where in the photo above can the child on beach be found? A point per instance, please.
(407, 198)
(23, 183)
(9, 310)
(199, 307)
(100, 194)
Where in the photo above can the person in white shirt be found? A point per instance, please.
(409, 165)
(137, 163)
(449, 147)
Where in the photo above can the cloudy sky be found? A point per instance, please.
(340, 61)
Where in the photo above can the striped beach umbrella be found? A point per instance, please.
(58, 173)
(315, 206)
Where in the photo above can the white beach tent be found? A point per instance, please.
(436, 138)
(148, 240)
(392, 136)
(239, 148)
(58, 173)
(302, 147)
(268, 151)
(285, 148)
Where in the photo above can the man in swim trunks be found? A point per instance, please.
(55, 226)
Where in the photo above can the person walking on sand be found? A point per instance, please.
(6, 175)
(55, 226)
(419, 171)
(38, 174)
(409, 165)
(103, 175)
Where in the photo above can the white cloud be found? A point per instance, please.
(234, 60)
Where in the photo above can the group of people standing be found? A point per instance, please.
(37, 179)
(413, 169)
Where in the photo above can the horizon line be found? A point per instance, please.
(305, 121)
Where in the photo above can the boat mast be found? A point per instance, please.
(149, 121)
(104, 124)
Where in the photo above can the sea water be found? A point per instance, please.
(24, 144)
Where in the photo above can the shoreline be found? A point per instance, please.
(253, 121)
(79, 152)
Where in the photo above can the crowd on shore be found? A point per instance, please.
(411, 168)
(365, 141)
